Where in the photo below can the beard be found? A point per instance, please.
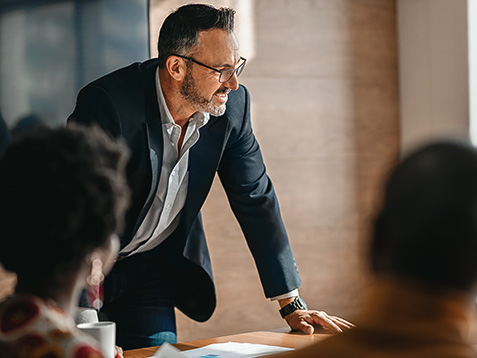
(190, 93)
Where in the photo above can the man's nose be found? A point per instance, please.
(232, 83)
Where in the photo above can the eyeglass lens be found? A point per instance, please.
(226, 75)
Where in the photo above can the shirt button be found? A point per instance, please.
(168, 206)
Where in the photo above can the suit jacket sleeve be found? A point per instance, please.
(254, 203)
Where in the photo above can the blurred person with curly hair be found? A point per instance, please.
(63, 196)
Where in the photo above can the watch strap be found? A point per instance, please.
(297, 304)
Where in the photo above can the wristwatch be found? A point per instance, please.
(296, 304)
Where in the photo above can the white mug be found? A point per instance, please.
(104, 332)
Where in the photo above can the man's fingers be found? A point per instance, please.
(323, 319)
(306, 327)
(342, 322)
(302, 323)
(337, 321)
(304, 320)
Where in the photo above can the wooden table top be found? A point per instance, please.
(282, 338)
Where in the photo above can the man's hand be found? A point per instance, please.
(302, 320)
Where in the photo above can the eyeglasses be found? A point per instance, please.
(225, 75)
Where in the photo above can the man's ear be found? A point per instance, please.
(176, 67)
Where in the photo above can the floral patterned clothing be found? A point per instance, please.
(34, 328)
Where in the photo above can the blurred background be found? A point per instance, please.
(49, 49)
(340, 89)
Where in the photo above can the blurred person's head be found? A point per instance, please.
(63, 196)
(426, 231)
(26, 124)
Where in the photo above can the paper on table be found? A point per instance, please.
(221, 350)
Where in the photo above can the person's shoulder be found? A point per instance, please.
(29, 324)
(238, 104)
(84, 346)
(18, 313)
(126, 77)
(65, 336)
(239, 96)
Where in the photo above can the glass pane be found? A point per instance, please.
(50, 49)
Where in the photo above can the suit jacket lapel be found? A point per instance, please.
(153, 129)
(204, 158)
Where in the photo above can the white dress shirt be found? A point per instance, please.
(164, 214)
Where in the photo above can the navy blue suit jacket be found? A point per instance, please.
(124, 103)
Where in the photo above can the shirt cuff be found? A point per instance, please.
(293, 293)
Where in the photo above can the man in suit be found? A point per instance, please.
(422, 255)
(185, 117)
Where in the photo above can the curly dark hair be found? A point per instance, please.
(63, 194)
(180, 30)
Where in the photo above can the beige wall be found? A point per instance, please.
(434, 70)
(323, 80)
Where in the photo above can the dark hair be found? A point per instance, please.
(180, 30)
(63, 194)
(427, 228)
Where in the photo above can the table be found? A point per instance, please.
(280, 337)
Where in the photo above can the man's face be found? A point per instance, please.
(201, 87)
